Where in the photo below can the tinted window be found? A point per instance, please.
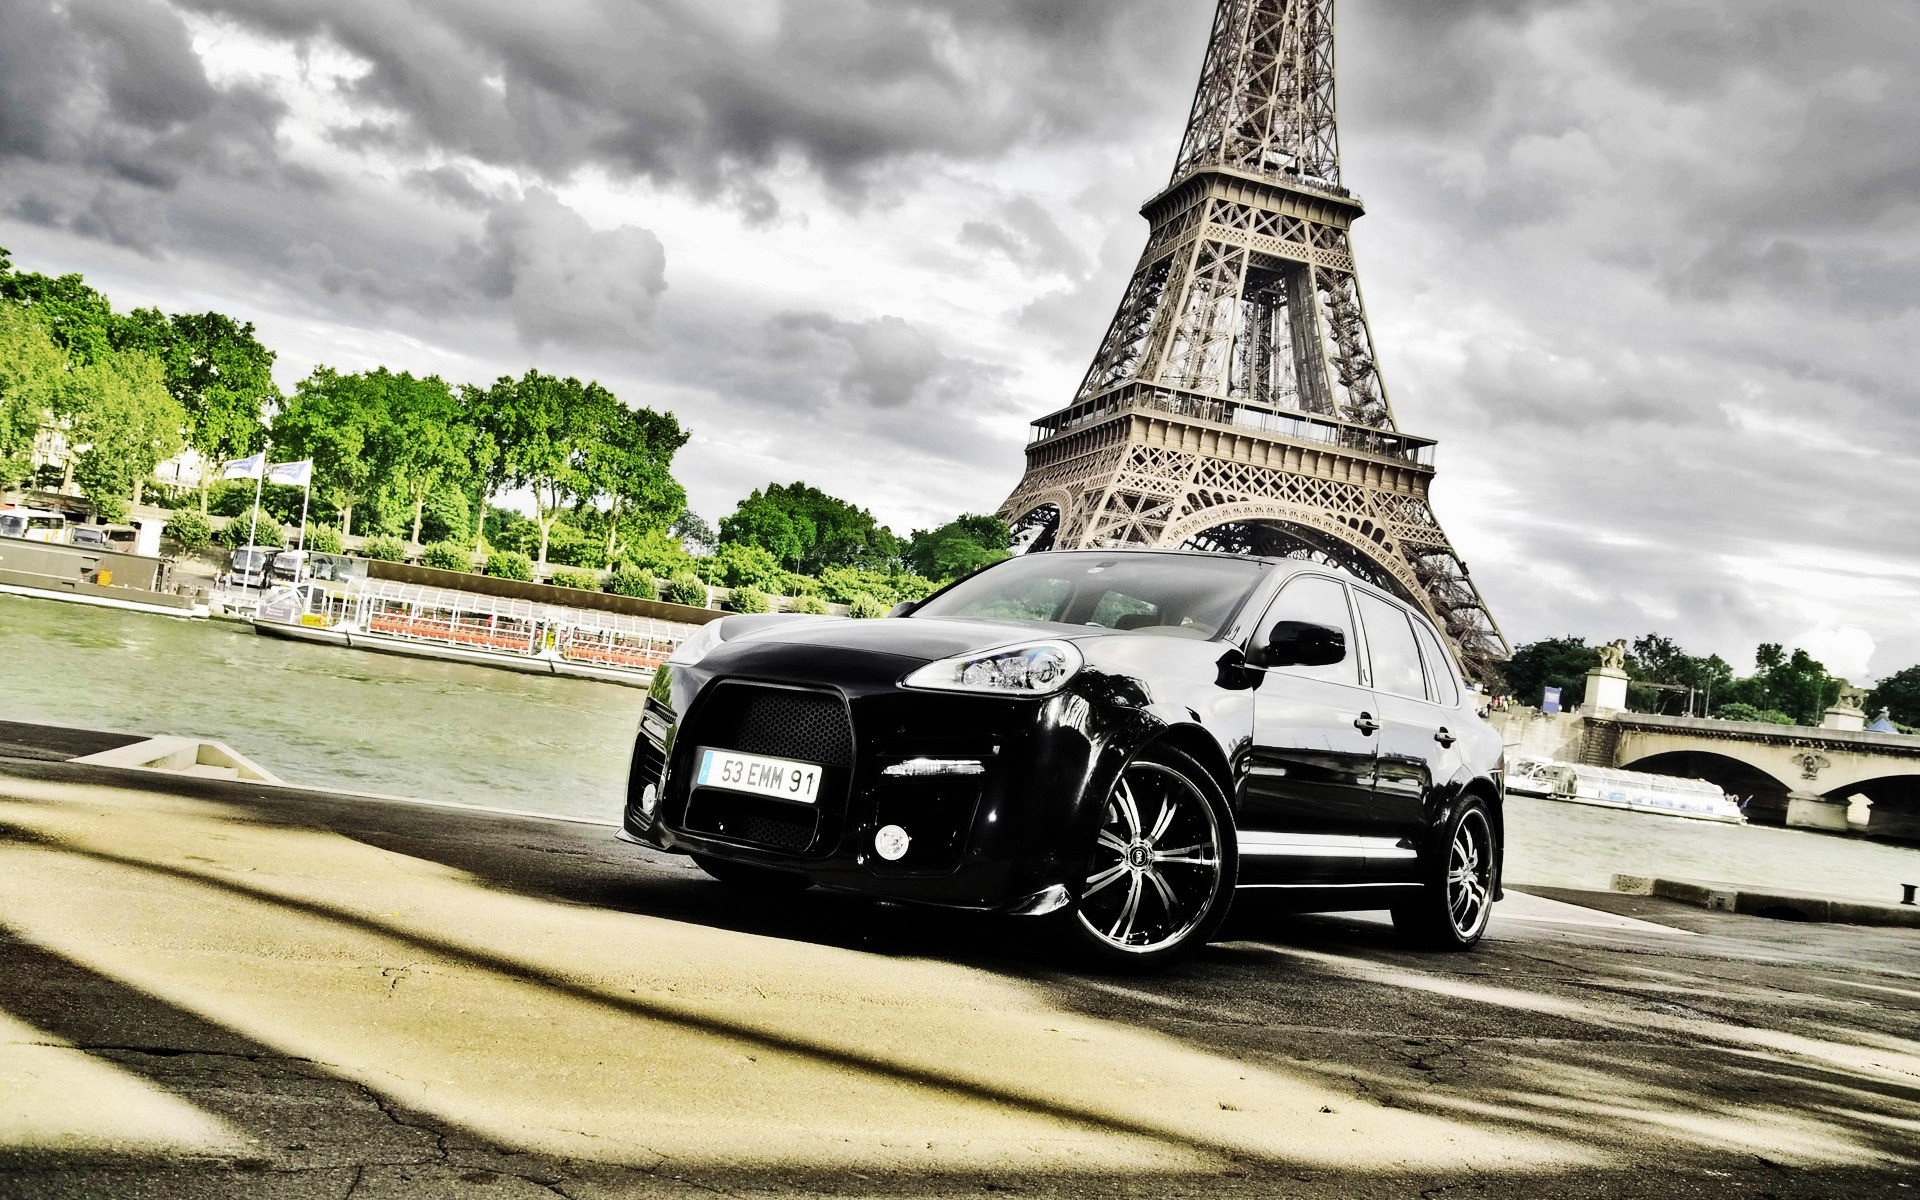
(1321, 601)
(1191, 594)
(1396, 660)
(1439, 666)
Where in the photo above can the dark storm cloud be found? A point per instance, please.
(565, 281)
(689, 92)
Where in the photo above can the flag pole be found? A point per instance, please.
(253, 526)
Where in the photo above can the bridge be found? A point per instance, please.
(1788, 774)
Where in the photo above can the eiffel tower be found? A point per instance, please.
(1235, 403)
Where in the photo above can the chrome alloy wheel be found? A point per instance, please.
(1469, 880)
(1156, 868)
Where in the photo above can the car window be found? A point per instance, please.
(1189, 594)
(1395, 657)
(1440, 677)
(1322, 601)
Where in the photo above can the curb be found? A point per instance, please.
(1780, 906)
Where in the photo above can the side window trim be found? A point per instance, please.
(1356, 649)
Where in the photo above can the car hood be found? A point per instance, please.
(923, 638)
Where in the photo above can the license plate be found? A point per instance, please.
(779, 778)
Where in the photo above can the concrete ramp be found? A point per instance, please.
(184, 756)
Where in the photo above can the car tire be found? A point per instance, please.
(1459, 881)
(1161, 868)
(767, 881)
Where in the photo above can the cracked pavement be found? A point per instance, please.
(210, 990)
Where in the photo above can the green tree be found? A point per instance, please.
(1654, 658)
(221, 375)
(33, 384)
(1561, 662)
(78, 319)
(629, 462)
(1793, 683)
(345, 424)
(808, 530)
(428, 440)
(735, 565)
(122, 423)
(1899, 694)
(542, 428)
(959, 547)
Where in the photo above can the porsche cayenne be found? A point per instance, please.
(1117, 741)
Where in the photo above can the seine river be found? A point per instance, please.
(445, 731)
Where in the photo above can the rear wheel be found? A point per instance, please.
(1456, 898)
(765, 880)
(1161, 870)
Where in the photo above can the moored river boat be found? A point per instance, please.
(1635, 791)
(493, 631)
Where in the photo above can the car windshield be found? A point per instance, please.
(1181, 594)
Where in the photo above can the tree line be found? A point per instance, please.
(1786, 687)
(397, 455)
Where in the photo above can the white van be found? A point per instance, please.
(33, 524)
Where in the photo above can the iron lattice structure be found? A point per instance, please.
(1235, 403)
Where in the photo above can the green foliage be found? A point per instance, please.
(792, 583)
(544, 430)
(78, 319)
(219, 373)
(810, 604)
(510, 565)
(747, 600)
(33, 380)
(628, 455)
(447, 516)
(737, 565)
(843, 584)
(447, 556)
(384, 549)
(190, 531)
(807, 530)
(324, 539)
(582, 581)
(866, 608)
(1899, 694)
(506, 529)
(574, 546)
(959, 547)
(339, 421)
(1795, 684)
(1553, 662)
(633, 581)
(1738, 711)
(1658, 659)
(266, 532)
(687, 588)
(659, 553)
(123, 422)
(693, 532)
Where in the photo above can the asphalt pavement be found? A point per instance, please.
(217, 989)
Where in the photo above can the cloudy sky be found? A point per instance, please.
(1648, 268)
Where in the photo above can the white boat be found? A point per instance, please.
(1635, 791)
(492, 631)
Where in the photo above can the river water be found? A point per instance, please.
(334, 717)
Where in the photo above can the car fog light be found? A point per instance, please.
(891, 843)
(649, 799)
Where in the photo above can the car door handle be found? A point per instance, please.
(1366, 724)
(1445, 738)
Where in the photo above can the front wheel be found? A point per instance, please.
(1456, 899)
(1161, 871)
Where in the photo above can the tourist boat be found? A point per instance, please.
(492, 631)
(1636, 791)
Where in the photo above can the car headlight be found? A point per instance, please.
(1033, 669)
(696, 645)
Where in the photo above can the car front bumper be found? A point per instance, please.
(1002, 826)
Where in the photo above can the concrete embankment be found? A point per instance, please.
(1762, 902)
(213, 987)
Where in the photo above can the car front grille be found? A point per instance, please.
(778, 722)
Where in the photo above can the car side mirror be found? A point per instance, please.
(1302, 644)
(902, 609)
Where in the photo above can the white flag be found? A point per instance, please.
(298, 474)
(245, 468)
